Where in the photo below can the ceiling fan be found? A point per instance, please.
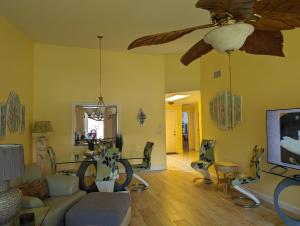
(253, 26)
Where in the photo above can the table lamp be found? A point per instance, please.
(11, 166)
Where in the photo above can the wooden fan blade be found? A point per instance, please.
(239, 9)
(197, 50)
(265, 7)
(277, 14)
(264, 43)
(165, 37)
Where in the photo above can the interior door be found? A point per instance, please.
(171, 131)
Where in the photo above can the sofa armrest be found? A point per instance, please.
(29, 202)
(60, 185)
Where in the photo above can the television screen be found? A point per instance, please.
(283, 137)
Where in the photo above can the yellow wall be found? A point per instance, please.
(179, 77)
(65, 75)
(178, 109)
(16, 74)
(264, 82)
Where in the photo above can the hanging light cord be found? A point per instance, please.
(230, 72)
(230, 90)
(100, 64)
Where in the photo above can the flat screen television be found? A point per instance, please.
(283, 137)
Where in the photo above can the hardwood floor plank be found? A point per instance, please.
(173, 199)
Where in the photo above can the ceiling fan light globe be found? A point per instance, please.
(229, 37)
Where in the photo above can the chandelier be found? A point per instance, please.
(99, 113)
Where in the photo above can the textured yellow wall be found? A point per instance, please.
(264, 82)
(16, 74)
(66, 75)
(180, 78)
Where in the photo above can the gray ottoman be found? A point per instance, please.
(100, 209)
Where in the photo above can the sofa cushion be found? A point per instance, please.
(61, 185)
(99, 209)
(59, 207)
(32, 172)
(29, 202)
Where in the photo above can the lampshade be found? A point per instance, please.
(229, 37)
(11, 161)
(42, 127)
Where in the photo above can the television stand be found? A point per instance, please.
(289, 180)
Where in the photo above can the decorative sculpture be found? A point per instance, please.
(141, 117)
(13, 112)
(226, 110)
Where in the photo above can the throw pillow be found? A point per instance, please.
(37, 188)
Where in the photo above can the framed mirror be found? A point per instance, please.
(94, 122)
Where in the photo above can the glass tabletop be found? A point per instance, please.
(82, 158)
(282, 172)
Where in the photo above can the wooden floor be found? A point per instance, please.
(173, 199)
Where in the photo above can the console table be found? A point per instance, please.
(289, 180)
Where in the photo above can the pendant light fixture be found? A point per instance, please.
(99, 113)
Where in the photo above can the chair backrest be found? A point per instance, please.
(107, 165)
(119, 142)
(147, 155)
(207, 151)
(52, 158)
(255, 162)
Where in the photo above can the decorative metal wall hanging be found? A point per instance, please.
(22, 119)
(13, 112)
(226, 110)
(141, 117)
(2, 120)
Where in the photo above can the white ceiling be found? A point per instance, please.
(78, 22)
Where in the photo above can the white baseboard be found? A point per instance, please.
(158, 168)
(284, 205)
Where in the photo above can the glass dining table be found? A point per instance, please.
(87, 172)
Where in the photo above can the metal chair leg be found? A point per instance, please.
(140, 186)
(248, 196)
(206, 176)
(207, 180)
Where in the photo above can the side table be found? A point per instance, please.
(223, 168)
(39, 215)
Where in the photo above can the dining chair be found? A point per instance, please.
(206, 159)
(53, 163)
(143, 166)
(237, 180)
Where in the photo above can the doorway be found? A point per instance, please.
(183, 128)
(185, 131)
